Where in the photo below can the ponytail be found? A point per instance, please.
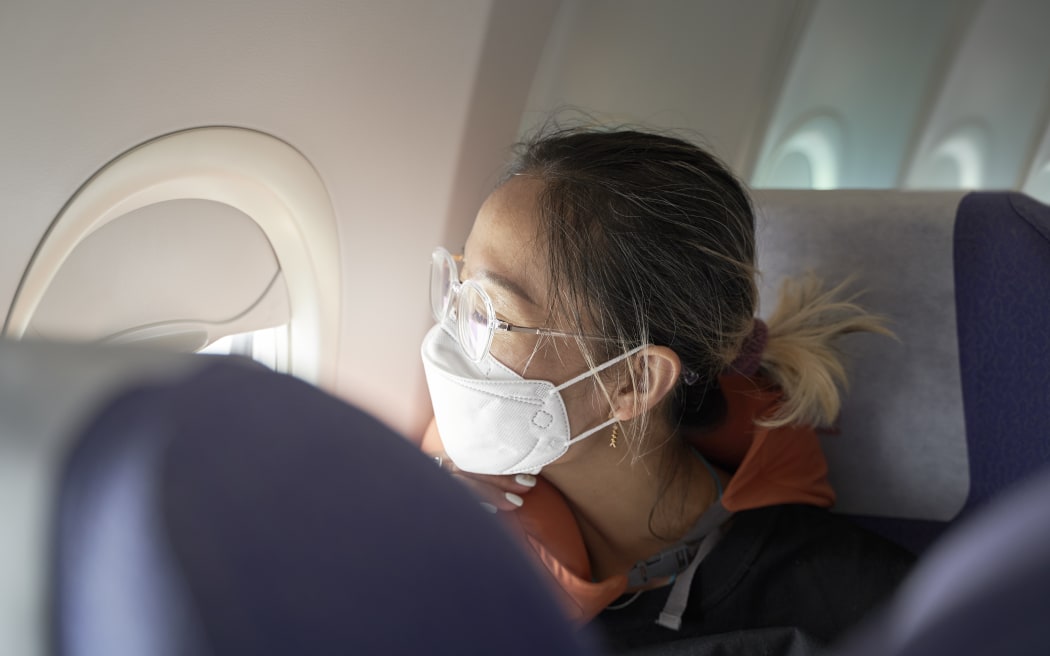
(800, 355)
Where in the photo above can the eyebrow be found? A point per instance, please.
(507, 283)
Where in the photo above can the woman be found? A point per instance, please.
(598, 331)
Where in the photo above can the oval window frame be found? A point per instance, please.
(262, 176)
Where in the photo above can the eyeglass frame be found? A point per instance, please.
(456, 287)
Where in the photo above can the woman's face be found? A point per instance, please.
(505, 255)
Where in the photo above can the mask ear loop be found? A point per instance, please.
(591, 431)
(587, 374)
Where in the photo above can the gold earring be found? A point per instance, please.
(612, 439)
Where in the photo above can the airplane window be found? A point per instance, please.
(268, 346)
(189, 238)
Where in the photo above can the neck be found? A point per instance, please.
(627, 507)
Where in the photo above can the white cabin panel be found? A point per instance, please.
(991, 109)
(385, 100)
(708, 66)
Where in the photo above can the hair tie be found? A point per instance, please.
(749, 359)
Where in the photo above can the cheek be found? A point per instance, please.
(546, 359)
(532, 356)
(586, 405)
(518, 352)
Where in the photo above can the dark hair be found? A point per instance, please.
(650, 240)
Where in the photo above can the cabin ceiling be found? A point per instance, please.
(405, 109)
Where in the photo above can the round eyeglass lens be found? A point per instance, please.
(441, 272)
(474, 316)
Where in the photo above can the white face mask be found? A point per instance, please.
(493, 421)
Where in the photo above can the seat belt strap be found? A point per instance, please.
(676, 559)
(674, 608)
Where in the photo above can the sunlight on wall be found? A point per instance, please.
(1038, 185)
(268, 347)
(809, 157)
(957, 162)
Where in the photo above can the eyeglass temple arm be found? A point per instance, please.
(511, 328)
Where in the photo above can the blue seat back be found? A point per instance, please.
(984, 589)
(1002, 274)
(241, 511)
(189, 504)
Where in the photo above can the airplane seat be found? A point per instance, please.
(956, 408)
(48, 391)
(218, 507)
(984, 589)
(1002, 261)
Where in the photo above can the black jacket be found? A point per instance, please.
(788, 578)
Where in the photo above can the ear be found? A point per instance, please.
(656, 372)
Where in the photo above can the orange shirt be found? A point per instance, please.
(769, 467)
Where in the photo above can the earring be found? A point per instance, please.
(612, 439)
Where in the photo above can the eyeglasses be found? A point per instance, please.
(469, 308)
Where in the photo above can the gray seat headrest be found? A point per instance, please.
(900, 448)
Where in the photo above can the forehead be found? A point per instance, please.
(504, 239)
(512, 208)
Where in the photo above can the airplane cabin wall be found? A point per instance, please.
(708, 68)
(993, 104)
(820, 93)
(856, 88)
(405, 109)
(391, 103)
